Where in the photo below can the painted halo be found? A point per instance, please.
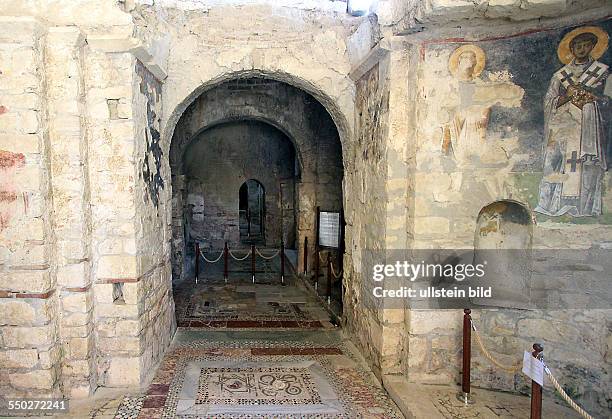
(453, 61)
(564, 52)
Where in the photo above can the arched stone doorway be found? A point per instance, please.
(253, 128)
(252, 212)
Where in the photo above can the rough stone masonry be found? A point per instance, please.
(439, 129)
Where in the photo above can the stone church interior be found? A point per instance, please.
(305, 208)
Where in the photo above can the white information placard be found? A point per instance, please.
(533, 368)
(329, 229)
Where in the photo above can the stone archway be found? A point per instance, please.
(336, 95)
(296, 113)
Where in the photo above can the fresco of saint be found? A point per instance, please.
(470, 103)
(575, 135)
(469, 124)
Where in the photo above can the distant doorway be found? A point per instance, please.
(252, 212)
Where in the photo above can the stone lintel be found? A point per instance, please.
(114, 44)
(376, 54)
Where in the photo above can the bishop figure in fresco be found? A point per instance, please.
(576, 138)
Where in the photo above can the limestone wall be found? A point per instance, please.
(29, 303)
(403, 16)
(78, 296)
(365, 182)
(218, 162)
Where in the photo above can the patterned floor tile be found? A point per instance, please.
(297, 381)
(213, 303)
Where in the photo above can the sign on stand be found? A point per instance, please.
(533, 368)
(329, 229)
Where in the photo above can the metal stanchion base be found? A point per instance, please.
(283, 284)
(328, 301)
(225, 280)
(253, 278)
(465, 398)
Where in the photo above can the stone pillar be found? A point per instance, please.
(29, 353)
(109, 81)
(134, 311)
(306, 215)
(72, 220)
(400, 152)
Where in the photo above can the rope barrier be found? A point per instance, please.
(320, 258)
(512, 370)
(211, 261)
(563, 394)
(239, 258)
(267, 257)
(536, 392)
(337, 276)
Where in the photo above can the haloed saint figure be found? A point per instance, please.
(576, 107)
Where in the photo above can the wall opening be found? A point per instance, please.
(252, 212)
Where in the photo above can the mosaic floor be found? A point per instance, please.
(239, 303)
(214, 374)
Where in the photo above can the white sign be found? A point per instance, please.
(329, 229)
(533, 368)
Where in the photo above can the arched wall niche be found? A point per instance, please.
(503, 243)
(504, 224)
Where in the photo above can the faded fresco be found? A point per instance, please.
(537, 107)
(371, 105)
(152, 160)
(470, 106)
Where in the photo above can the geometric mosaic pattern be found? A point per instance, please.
(256, 386)
(219, 305)
(130, 407)
(213, 303)
(195, 381)
(239, 372)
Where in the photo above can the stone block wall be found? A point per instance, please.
(78, 300)
(218, 162)
(30, 351)
(70, 191)
(366, 184)
(153, 220)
